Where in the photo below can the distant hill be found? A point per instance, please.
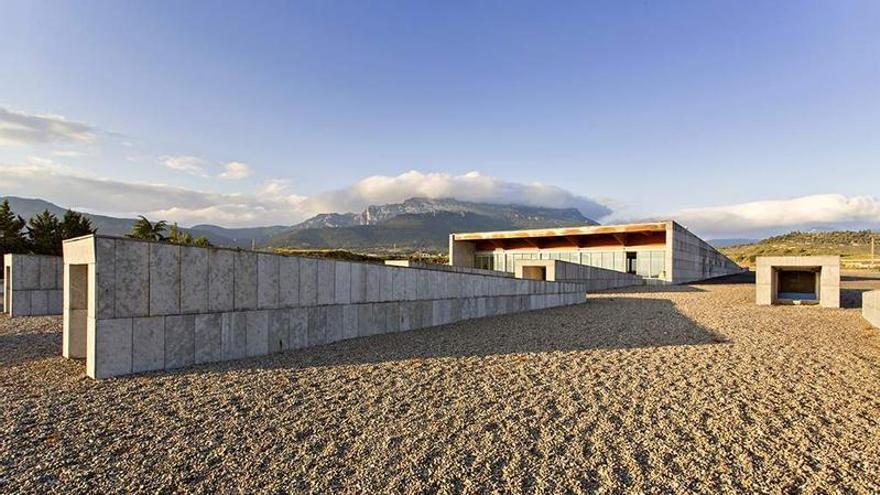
(845, 243)
(419, 224)
(720, 243)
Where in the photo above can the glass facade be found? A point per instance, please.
(648, 263)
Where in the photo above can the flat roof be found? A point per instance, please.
(564, 231)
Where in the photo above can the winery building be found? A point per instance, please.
(659, 252)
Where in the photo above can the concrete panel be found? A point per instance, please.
(349, 321)
(221, 280)
(358, 283)
(326, 281)
(299, 327)
(180, 340)
(132, 278)
(234, 335)
(374, 278)
(411, 281)
(366, 324)
(104, 273)
(245, 280)
(39, 302)
(386, 284)
(334, 332)
(398, 283)
(56, 302)
(317, 332)
(871, 307)
(308, 281)
(194, 274)
(26, 272)
(288, 267)
(267, 275)
(208, 338)
(342, 284)
(148, 344)
(257, 333)
(392, 317)
(75, 334)
(164, 279)
(21, 302)
(279, 330)
(379, 315)
(109, 348)
(48, 272)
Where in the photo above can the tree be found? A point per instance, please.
(177, 236)
(75, 224)
(12, 239)
(44, 234)
(148, 231)
(201, 241)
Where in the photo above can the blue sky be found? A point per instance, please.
(644, 108)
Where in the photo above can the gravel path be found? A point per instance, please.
(683, 389)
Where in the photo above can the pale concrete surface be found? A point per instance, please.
(871, 307)
(828, 283)
(32, 285)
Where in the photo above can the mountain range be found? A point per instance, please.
(417, 223)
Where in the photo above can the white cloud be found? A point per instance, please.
(19, 128)
(236, 171)
(188, 164)
(68, 153)
(270, 203)
(771, 216)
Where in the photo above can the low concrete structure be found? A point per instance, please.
(132, 306)
(591, 277)
(659, 252)
(871, 307)
(32, 285)
(798, 280)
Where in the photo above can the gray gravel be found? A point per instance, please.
(683, 389)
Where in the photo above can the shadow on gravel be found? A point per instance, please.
(20, 348)
(603, 323)
(737, 278)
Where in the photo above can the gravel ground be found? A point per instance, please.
(683, 389)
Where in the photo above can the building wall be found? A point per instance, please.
(158, 306)
(693, 259)
(871, 307)
(34, 285)
(829, 278)
(651, 259)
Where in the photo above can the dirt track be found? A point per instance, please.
(691, 389)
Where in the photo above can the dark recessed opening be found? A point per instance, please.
(797, 285)
(632, 262)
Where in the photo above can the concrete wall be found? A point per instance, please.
(151, 306)
(871, 307)
(590, 277)
(448, 268)
(693, 259)
(33, 286)
(461, 253)
(829, 277)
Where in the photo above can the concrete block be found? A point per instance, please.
(342, 283)
(308, 281)
(349, 321)
(398, 283)
(279, 330)
(299, 328)
(234, 335)
(412, 282)
(268, 287)
(288, 268)
(104, 273)
(180, 341)
(379, 315)
(208, 338)
(109, 348)
(27, 270)
(358, 283)
(425, 314)
(334, 332)
(454, 310)
(373, 280)
(132, 278)
(257, 333)
(317, 333)
(392, 317)
(221, 280)
(194, 275)
(366, 325)
(56, 302)
(326, 281)
(245, 280)
(39, 302)
(48, 272)
(386, 284)
(164, 281)
(148, 344)
(21, 302)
